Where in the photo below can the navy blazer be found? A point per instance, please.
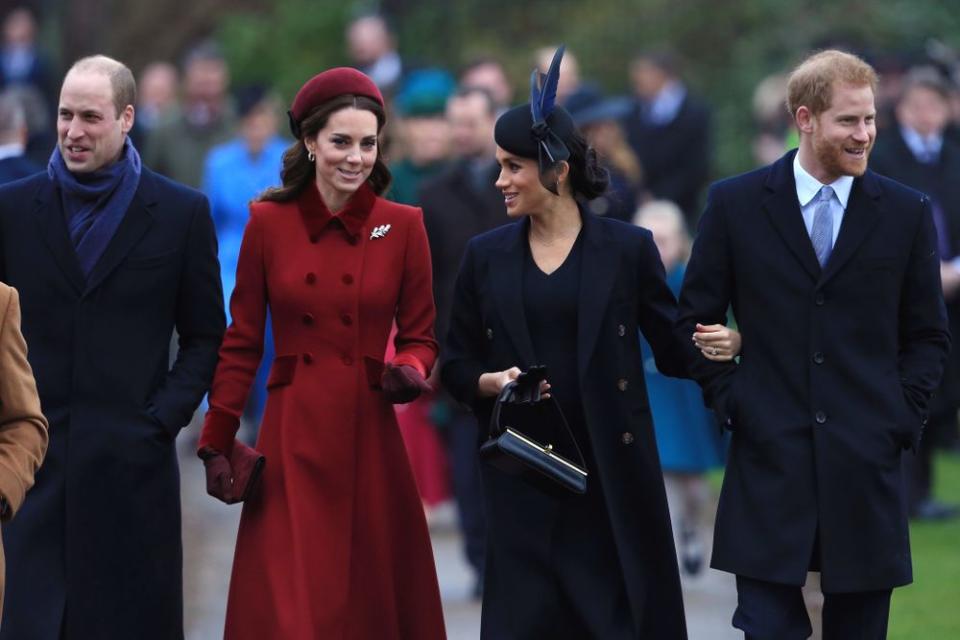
(837, 367)
(96, 547)
(622, 291)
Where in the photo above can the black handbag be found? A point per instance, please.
(512, 451)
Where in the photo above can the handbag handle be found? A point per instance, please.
(504, 397)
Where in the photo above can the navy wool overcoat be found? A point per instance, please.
(96, 549)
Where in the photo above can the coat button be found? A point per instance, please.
(819, 300)
(314, 238)
(353, 240)
(347, 360)
(818, 358)
(622, 384)
(310, 278)
(346, 319)
(820, 417)
(308, 358)
(347, 278)
(626, 438)
(621, 330)
(307, 319)
(489, 334)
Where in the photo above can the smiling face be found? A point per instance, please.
(837, 142)
(519, 181)
(90, 134)
(346, 151)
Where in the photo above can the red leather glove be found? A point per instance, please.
(402, 383)
(219, 476)
(232, 480)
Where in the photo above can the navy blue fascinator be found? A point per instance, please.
(539, 129)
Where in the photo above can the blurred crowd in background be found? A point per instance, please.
(198, 127)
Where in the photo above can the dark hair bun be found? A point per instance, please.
(588, 178)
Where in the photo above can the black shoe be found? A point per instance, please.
(931, 510)
(691, 552)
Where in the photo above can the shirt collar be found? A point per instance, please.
(920, 146)
(352, 217)
(11, 150)
(808, 187)
(665, 106)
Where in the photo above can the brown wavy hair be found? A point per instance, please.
(298, 171)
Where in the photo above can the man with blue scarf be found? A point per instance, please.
(109, 259)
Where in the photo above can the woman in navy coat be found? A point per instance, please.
(568, 290)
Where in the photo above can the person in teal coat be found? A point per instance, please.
(688, 438)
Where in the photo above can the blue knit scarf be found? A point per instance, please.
(94, 203)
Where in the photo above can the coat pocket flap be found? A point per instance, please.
(281, 373)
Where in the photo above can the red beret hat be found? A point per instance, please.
(330, 84)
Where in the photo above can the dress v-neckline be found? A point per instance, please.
(563, 263)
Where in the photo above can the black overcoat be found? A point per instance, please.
(97, 546)
(622, 289)
(837, 368)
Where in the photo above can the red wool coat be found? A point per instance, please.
(333, 544)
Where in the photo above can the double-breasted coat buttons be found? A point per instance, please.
(626, 438)
(622, 384)
(489, 334)
(621, 330)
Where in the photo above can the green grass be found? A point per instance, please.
(929, 609)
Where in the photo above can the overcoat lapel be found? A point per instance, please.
(507, 283)
(597, 276)
(859, 218)
(783, 209)
(53, 229)
(135, 223)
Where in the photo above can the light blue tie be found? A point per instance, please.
(822, 233)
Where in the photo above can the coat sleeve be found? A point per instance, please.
(705, 297)
(657, 314)
(23, 429)
(924, 337)
(415, 342)
(463, 360)
(242, 346)
(199, 323)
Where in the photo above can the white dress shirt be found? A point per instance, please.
(808, 190)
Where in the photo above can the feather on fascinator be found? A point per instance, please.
(539, 130)
(543, 99)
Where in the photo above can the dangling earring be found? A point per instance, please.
(310, 156)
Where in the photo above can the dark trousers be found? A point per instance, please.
(918, 465)
(461, 439)
(768, 611)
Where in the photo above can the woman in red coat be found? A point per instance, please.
(333, 542)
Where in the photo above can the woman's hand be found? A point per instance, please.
(491, 384)
(717, 342)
